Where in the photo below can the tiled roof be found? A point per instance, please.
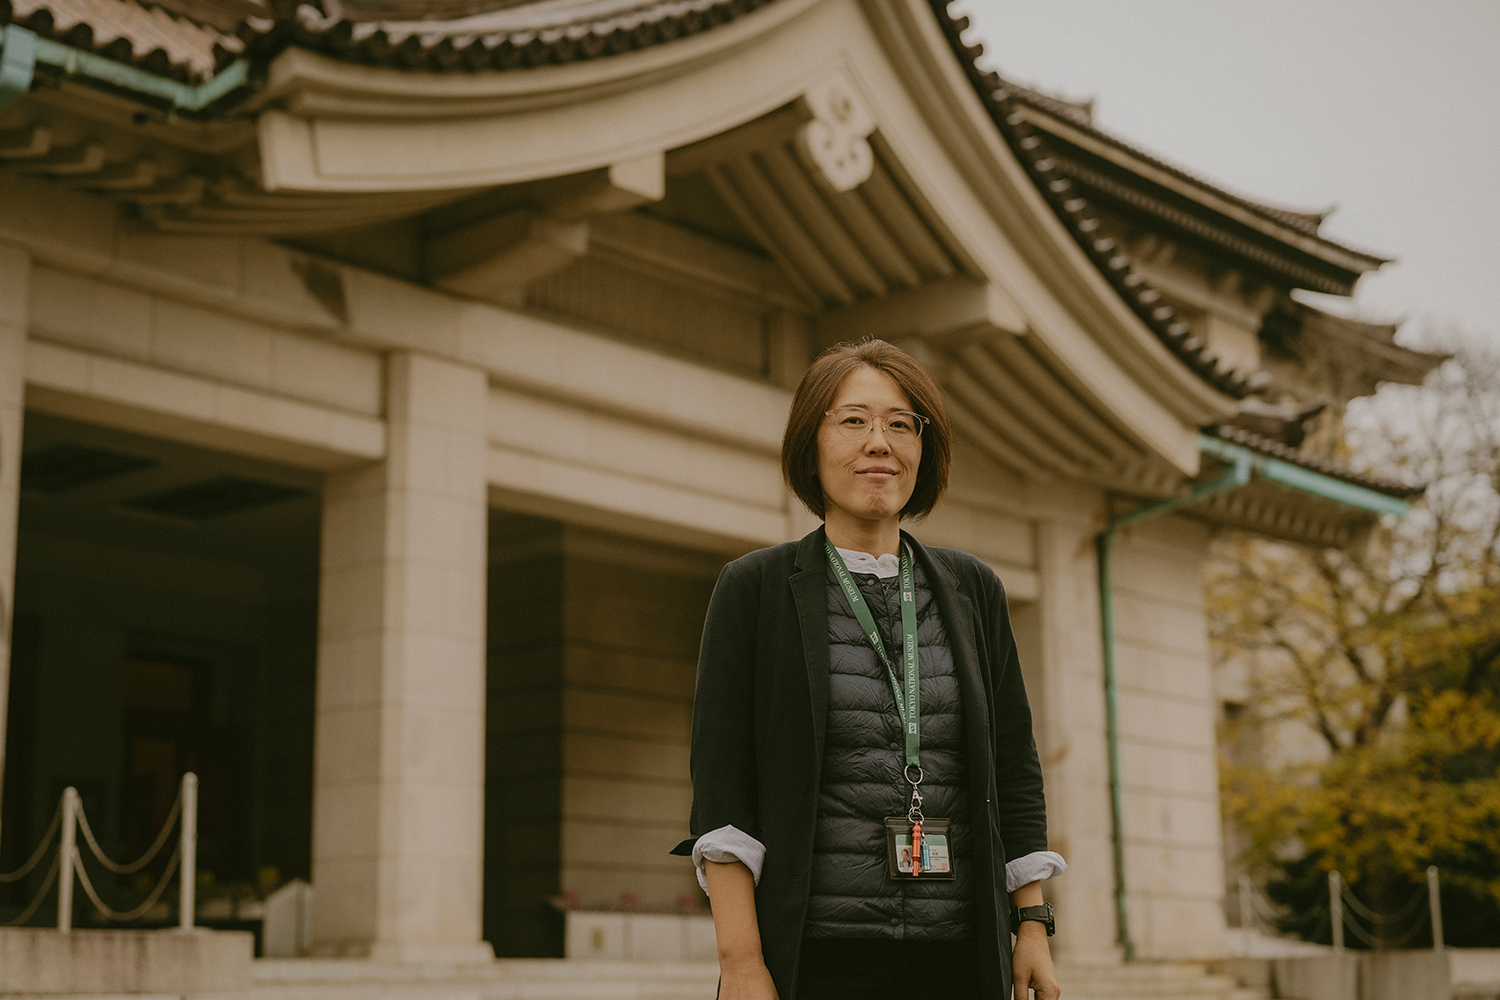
(1082, 222)
(148, 37)
(530, 34)
(500, 35)
(224, 15)
(398, 33)
(1080, 115)
(1295, 456)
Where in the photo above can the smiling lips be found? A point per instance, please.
(878, 472)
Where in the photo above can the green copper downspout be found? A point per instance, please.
(1244, 464)
(21, 51)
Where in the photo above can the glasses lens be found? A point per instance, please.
(903, 424)
(852, 421)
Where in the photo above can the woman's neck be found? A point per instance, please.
(878, 538)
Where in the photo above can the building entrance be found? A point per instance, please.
(165, 621)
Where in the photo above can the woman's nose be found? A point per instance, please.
(876, 441)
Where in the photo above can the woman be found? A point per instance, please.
(866, 790)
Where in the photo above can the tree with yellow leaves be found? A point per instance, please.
(1387, 657)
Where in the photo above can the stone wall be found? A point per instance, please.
(593, 652)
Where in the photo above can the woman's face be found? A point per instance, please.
(873, 478)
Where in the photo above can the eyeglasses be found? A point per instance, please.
(856, 423)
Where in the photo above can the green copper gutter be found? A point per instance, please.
(1245, 465)
(22, 51)
(1305, 480)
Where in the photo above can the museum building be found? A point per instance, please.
(383, 385)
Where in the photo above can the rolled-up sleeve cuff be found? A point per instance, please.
(729, 844)
(1023, 871)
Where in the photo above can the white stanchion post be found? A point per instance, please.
(1435, 906)
(188, 845)
(1336, 911)
(66, 849)
(1247, 915)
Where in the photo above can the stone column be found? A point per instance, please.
(15, 292)
(399, 759)
(1074, 753)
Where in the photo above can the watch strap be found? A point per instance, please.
(1042, 914)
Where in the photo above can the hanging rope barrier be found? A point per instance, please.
(67, 861)
(1255, 910)
(139, 911)
(30, 911)
(41, 850)
(1382, 918)
(1378, 941)
(1265, 911)
(1339, 894)
(144, 859)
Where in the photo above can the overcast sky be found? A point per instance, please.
(1389, 109)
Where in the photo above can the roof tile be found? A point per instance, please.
(128, 32)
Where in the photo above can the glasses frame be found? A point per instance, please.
(885, 427)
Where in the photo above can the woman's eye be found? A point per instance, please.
(900, 424)
(854, 420)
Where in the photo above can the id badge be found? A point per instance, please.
(935, 852)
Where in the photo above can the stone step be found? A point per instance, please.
(1164, 980)
(507, 979)
(540, 979)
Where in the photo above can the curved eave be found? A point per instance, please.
(331, 131)
(315, 81)
(335, 123)
(1113, 299)
(1213, 201)
(1296, 497)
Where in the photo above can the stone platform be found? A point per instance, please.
(38, 961)
(113, 965)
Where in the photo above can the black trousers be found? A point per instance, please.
(877, 969)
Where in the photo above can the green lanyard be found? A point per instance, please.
(907, 707)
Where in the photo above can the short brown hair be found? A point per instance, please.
(799, 446)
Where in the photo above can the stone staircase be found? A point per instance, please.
(1151, 981)
(202, 973)
(504, 979)
(521, 979)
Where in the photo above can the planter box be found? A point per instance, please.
(656, 936)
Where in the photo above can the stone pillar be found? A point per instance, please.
(1074, 753)
(15, 293)
(1174, 850)
(399, 758)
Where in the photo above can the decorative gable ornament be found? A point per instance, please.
(835, 143)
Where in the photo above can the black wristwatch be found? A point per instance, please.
(1042, 913)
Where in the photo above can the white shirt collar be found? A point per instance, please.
(885, 567)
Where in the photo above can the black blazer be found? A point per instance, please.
(760, 712)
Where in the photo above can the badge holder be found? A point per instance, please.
(916, 846)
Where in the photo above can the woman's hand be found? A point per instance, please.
(1031, 963)
(749, 980)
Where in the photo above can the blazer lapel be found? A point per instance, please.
(810, 593)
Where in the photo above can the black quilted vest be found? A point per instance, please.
(851, 892)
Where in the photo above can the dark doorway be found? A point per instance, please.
(166, 603)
